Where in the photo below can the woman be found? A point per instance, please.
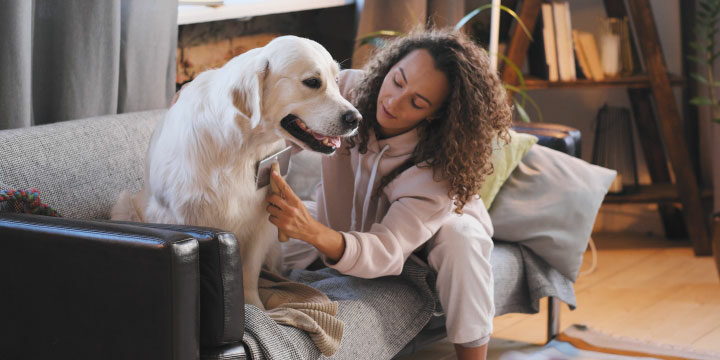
(408, 180)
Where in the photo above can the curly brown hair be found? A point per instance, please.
(458, 144)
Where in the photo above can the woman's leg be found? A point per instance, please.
(471, 353)
(460, 253)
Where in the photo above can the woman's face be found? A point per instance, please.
(413, 90)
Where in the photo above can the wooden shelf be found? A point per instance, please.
(634, 81)
(663, 192)
(656, 115)
(234, 9)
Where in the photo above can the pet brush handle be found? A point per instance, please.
(274, 188)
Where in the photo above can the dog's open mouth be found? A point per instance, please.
(316, 141)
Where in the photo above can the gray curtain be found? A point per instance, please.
(71, 59)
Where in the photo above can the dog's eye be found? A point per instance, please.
(312, 83)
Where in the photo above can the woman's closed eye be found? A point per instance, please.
(412, 102)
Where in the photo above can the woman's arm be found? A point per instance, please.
(290, 215)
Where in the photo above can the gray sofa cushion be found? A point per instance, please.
(549, 205)
(79, 167)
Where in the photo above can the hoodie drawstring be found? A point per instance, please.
(371, 183)
(353, 215)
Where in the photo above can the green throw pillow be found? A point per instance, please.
(504, 161)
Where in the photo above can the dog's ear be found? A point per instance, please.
(248, 97)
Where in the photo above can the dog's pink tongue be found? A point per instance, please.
(334, 140)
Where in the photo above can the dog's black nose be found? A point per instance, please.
(351, 118)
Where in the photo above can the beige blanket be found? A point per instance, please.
(301, 306)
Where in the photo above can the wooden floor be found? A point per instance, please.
(644, 287)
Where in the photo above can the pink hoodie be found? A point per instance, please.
(381, 232)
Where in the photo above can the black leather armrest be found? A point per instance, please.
(555, 136)
(222, 300)
(93, 290)
(226, 352)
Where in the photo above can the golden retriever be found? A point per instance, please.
(201, 160)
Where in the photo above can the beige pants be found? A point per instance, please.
(460, 254)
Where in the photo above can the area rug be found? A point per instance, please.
(581, 342)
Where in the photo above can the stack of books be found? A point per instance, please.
(560, 53)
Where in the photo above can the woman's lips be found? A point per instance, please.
(387, 113)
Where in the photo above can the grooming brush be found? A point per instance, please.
(279, 162)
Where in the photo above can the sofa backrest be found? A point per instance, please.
(79, 167)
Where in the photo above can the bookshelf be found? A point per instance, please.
(634, 81)
(661, 192)
(657, 119)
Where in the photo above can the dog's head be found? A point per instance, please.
(296, 94)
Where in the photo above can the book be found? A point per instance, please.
(592, 55)
(581, 57)
(563, 40)
(549, 42)
(542, 54)
(568, 34)
(627, 63)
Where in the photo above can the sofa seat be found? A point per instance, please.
(79, 168)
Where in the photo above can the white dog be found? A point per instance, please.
(201, 161)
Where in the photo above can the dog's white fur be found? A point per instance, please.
(201, 161)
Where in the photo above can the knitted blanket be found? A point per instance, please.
(302, 306)
(380, 315)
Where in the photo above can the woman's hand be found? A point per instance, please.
(291, 217)
(288, 213)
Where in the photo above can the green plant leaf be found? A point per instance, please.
(512, 13)
(470, 15)
(705, 6)
(711, 34)
(714, 56)
(515, 68)
(521, 111)
(701, 101)
(527, 97)
(697, 59)
(717, 120)
(700, 78)
(372, 38)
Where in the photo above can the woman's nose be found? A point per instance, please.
(392, 101)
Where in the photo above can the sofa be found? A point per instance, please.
(80, 286)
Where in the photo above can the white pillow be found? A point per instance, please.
(549, 204)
